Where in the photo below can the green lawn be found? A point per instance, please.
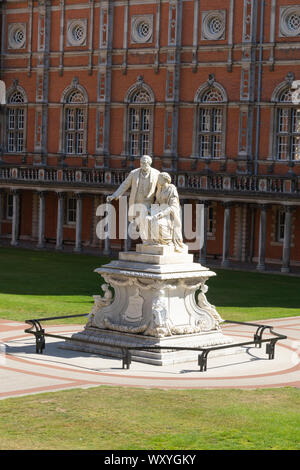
(40, 283)
(126, 418)
(36, 284)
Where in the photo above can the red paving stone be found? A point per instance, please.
(24, 372)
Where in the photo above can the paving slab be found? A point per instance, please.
(24, 372)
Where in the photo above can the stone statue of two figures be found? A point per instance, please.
(155, 209)
(153, 206)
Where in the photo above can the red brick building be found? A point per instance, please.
(202, 86)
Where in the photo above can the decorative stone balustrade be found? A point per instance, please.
(185, 181)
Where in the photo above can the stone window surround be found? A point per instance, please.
(275, 105)
(128, 105)
(198, 105)
(75, 86)
(23, 105)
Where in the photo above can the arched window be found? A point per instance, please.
(139, 120)
(287, 127)
(75, 120)
(209, 135)
(16, 121)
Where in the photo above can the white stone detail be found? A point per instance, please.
(99, 303)
(77, 32)
(16, 35)
(141, 28)
(289, 23)
(213, 25)
(134, 310)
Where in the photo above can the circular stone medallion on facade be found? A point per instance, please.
(213, 25)
(141, 28)
(77, 31)
(16, 35)
(290, 21)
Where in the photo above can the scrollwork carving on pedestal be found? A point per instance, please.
(100, 301)
(160, 325)
(211, 309)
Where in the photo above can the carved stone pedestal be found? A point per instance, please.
(154, 304)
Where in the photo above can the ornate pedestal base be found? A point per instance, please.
(109, 343)
(154, 304)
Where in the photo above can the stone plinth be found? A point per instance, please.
(154, 304)
(110, 343)
(156, 254)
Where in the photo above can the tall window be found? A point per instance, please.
(16, 122)
(139, 124)
(70, 211)
(139, 120)
(75, 123)
(210, 124)
(8, 208)
(280, 220)
(210, 220)
(288, 128)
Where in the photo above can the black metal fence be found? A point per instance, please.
(40, 334)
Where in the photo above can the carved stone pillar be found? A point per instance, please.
(41, 234)
(60, 221)
(203, 251)
(251, 232)
(262, 238)
(78, 240)
(16, 218)
(286, 251)
(226, 234)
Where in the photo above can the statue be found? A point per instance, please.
(164, 225)
(100, 301)
(152, 297)
(142, 183)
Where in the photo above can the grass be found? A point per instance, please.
(246, 296)
(126, 418)
(37, 284)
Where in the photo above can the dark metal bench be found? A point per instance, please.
(126, 352)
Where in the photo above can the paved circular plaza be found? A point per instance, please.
(24, 372)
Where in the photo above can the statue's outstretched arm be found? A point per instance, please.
(121, 189)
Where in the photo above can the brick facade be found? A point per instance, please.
(204, 87)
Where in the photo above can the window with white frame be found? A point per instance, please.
(287, 128)
(70, 214)
(140, 123)
(210, 128)
(16, 114)
(210, 220)
(280, 220)
(75, 123)
(8, 208)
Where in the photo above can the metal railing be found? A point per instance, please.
(126, 352)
